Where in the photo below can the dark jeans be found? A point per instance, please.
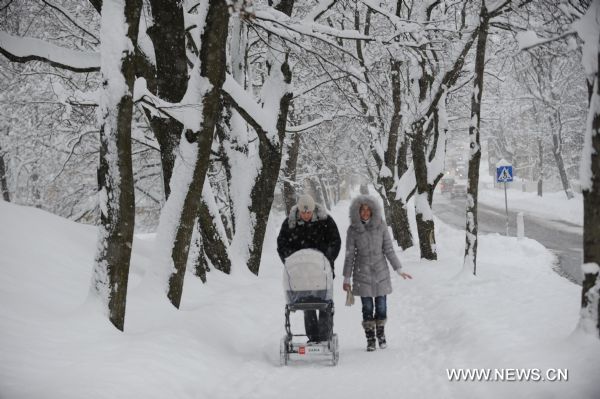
(380, 307)
(318, 330)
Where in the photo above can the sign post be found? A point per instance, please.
(504, 174)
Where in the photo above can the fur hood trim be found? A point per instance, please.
(373, 204)
(318, 214)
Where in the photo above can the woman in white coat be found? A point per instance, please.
(368, 244)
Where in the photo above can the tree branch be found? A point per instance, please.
(309, 125)
(262, 134)
(71, 19)
(25, 49)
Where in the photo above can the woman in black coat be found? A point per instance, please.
(308, 226)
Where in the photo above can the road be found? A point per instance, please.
(562, 238)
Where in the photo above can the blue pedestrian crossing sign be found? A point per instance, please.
(504, 174)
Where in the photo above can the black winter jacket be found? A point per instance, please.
(320, 233)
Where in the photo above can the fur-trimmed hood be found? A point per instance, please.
(318, 214)
(373, 204)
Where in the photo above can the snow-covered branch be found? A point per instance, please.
(24, 49)
(287, 29)
(319, 10)
(247, 106)
(400, 24)
(448, 79)
(71, 19)
(528, 39)
(309, 125)
(317, 85)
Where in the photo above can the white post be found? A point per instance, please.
(506, 207)
(520, 225)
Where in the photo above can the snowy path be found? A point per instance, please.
(224, 342)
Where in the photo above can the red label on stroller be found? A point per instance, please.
(301, 350)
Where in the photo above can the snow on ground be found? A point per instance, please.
(553, 205)
(224, 342)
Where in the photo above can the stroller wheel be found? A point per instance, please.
(283, 351)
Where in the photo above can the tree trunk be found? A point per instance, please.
(391, 163)
(270, 154)
(213, 67)
(540, 183)
(590, 176)
(199, 261)
(168, 135)
(213, 242)
(3, 181)
(423, 215)
(262, 192)
(168, 38)
(471, 241)
(115, 175)
(324, 192)
(395, 162)
(223, 128)
(557, 151)
(289, 173)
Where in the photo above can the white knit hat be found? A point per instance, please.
(306, 203)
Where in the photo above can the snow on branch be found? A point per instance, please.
(312, 29)
(188, 111)
(195, 22)
(250, 110)
(331, 79)
(25, 49)
(309, 125)
(321, 8)
(72, 19)
(406, 185)
(281, 33)
(497, 6)
(500, 7)
(529, 39)
(448, 79)
(400, 24)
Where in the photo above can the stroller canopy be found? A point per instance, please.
(307, 276)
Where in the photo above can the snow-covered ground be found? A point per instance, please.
(224, 342)
(553, 205)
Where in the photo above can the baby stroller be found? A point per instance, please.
(308, 285)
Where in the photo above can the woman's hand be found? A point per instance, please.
(404, 275)
(346, 287)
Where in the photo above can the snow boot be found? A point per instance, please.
(369, 326)
(381, 333)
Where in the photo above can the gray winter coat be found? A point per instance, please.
(367, 247)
